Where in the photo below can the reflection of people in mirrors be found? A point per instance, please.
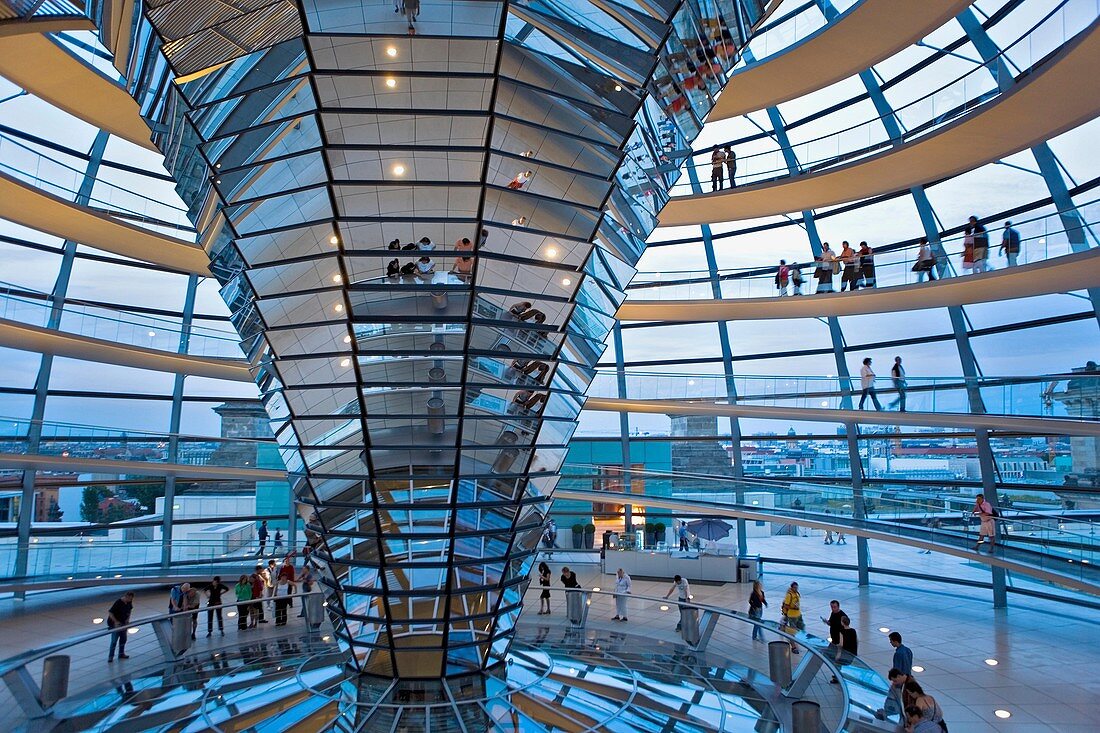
(529, 400)
(463, 266)
(412, 10)
(520, 222)
(520, 180)
(393, 268)
(425, 267)
(520, 308)
(408, 269)
(395, 244)
(528, 154)
(425, 245)
(483, 238)
(532, 367)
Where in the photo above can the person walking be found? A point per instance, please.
(850, 260)
(214, 605)
(278, 542)
(841, 538)
(897, 376)
(243, 593)
(757, 602)
(796, 279)
(262, 535)
(622, 590)
(833, 622)
(119, 615)
(792, 611)
(848, 648)
(717, 166)
(782, 277)
(986, 514)
(544, 581)
(683, 535)
(903, 655)
(926, 262)
(981, 245)
(731, 165)
(828, 537)
(412, 10)
(683, 595)
(866, 266)
(1010, 244)
(867, 385)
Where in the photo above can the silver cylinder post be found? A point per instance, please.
(779, 663)
(55, 679)
(805, 717)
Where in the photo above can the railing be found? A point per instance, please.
(1042, 238)
(1039, 396)
(782, 33)
(24, 163)
(116, 325)
(729, 634)
(154, 646)
(108, 558)
(954, 99)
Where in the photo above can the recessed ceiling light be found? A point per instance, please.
(618, 87)
(334, 239)
(339, 307)
(336, 278)
(391, 51)
(152, 334)
(992, 662)
(664, 608)
(884, 630)
(399, 170)
(347, 339)
(391, 82)
(218, 181)
(596, 589)
(551, 252)
(217, 165)
(691, 382)
(1002, 714)
(97, 620)
(133, 630)
(918, 668)
(345, 362)
(566, 281)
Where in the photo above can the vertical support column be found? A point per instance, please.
(624, 424)
(42, 382)
(988, 464)
(851, 431)
(174, 421)
(727, 367)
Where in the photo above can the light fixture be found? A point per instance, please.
(232, 614)
(152, 334)
(884, 629)
(566, 282)
(339, 307)
(217, 165)
(218, 181)
(399, 170)
(133, 630)
(664, 608)
(824, 403)
(1003, 714)
(97, 620)
(551, 252)
(336, 278)
(391, 51)
(119, 575)
(345, 362)
(597, 590)
(391, 82)
(992, 662)
(334, 239)
(325, 638)
(347, 339)
(918, 668)
(618, 87)
(691, 382)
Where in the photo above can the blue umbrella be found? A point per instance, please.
(709, 529)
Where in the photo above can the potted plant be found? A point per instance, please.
(659, 532)
(578, 535)
(589, 536)
(650, 534)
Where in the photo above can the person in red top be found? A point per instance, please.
(782, 277)
(257, 611)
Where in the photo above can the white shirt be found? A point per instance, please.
(683, 590)
(866, 377)
(622, 585)
(425, 267)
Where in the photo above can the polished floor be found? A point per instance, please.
(1044, 672)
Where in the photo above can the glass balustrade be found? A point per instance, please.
(788, 30)
(118, 326)
(1042, 238)
(1071, 395)
(961, 96)
(24, 163)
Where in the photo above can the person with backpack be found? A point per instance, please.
(1010, 244)
(986, 513)
(796, 279)
(782, 277)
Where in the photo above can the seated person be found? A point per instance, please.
(425, 267)
(408, 269)
(536, 315)
(520, 308)
(409, 246)
(393, 268)
(395, 244)
(527, 367)
(425, 245)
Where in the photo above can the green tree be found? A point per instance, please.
(53, 512)
(145, 495)
(89, 503)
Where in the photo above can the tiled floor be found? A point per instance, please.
(1047, 653)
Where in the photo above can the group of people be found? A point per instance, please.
(721, 161)
(623, 586)
(975, 255)
(855, 267)
(423, 266)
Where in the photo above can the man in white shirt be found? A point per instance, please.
(683, 592)
(867, 383)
